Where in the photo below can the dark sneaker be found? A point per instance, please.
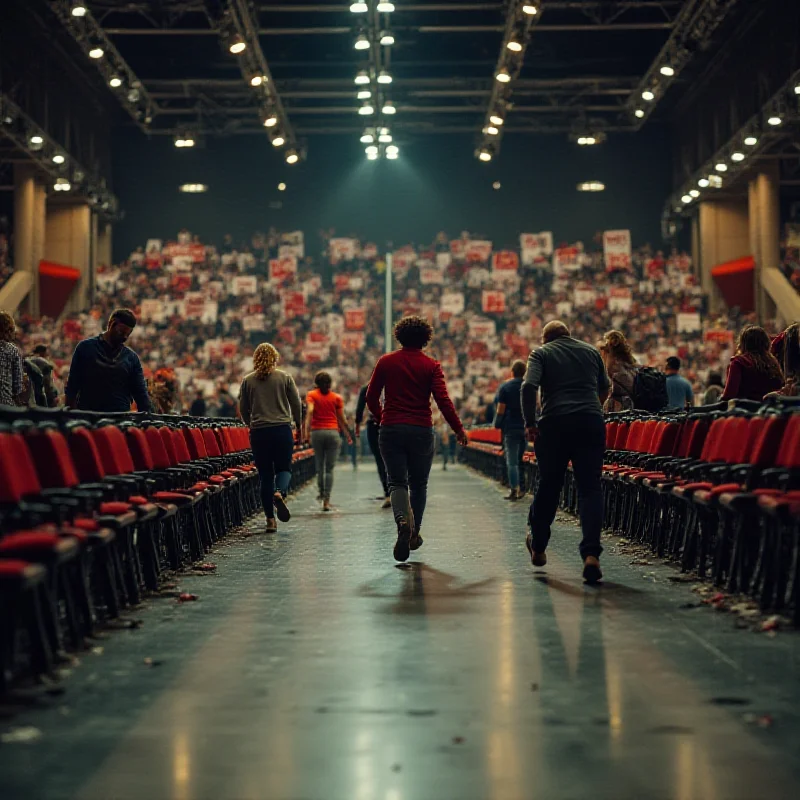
(591, 570)
(387, 503)
(281, 509)
(403, 544)
(513, 495)
(416, 541)
(537, 559)
(272, 526)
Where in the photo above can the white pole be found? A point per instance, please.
(387, 317)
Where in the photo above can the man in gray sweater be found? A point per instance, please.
(574, 385)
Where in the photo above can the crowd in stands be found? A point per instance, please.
(203, 309)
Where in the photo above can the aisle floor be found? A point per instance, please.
(314, 668)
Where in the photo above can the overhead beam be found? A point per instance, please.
(401, 109)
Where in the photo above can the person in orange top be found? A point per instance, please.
(325, 418)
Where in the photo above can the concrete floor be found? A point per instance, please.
(314, 668)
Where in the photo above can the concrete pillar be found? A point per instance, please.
(69, 242)
(764, 196)
(724, 235)
(29, 229)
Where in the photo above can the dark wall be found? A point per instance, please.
(436, 184)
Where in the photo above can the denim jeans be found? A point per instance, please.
(272, 451)
(408, 452)
(514, 447)
(374, 446)
(326, 448)
(580, 438)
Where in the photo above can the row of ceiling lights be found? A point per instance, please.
(514, 45)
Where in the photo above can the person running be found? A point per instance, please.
(269, 403)
(407, 378)
(372, 441)
(325, 419)
(574, 385)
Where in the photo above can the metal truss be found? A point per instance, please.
(692, 32)
(36, 147)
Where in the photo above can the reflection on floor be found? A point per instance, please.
(314, 667)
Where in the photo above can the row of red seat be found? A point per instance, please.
(93, 509)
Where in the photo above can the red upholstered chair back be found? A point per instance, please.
(114, 450)
(734, 445)
(17, 473)
(765, 447)
(789, 451)
(140, 450)
(159, 452)
(51, 457)
(621, 440)
(195, 443)
(212, 444)
(648, 436)
(635, 434)
(714, 440)
(86, 456)
(169, 445)
(181, 450)
(697, 439)
(611, 434)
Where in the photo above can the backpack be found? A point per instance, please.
(650, 389)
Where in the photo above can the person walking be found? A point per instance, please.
(508, 419)
(680, 394)
(105, 375)
(269, 404)
(408, 378)
(574, 385)
(15, 387)
(372, 441)
(325, 419)
(621, 369)
(754, 371)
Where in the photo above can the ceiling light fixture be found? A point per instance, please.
(367, 137)
(703, 183)
(502, 75)
(278, 141)
(639, 113)
(485, 155)
(362, 78)
(115, 82)
(362, 42)
(366, 110)
(384, 77)
(271, 121)
(737, 156)
(667, 71)
(648, 95)
(514, 46)
(686, 199)
(62, 185)
(774, 120)
(256, 80)
(78, 10)
(292, 156)
(721, 167)
(193, 188)
(96, 52)
(591, 186)
(371, 149)
(387, 38)
(58, 158)
(358, 8)
(36, 141)
(389, 108)
(384, 136)
(492, 130)
(531, 9)
(364, 94)
(281, 187)
(496, 120)
(751, 141)
(694, 193)
(385, 8)
(237, 45)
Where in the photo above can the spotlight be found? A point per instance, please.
(737, 156)
(502, 75)
(715, 181)
(292, 157)
(648, 95)
(581, 140)
(188, 141)
(591, 140)
(366, 110)
(96, 52)
(774, 120)
(115, 82)
(361, 43)
(58, 158)
(193, 188)
(62, 185)
(281, 187)
(278, 141)
(496, 185)
(358, 8)
(384, 77)
(797, 89)
(485, 155)
(591, 186)
(639, 113)
(362, 79)
(387, 38)
(384, 137)
(237, 45)
(531, 9)
(694, 193)
(389, 108)
(496, 120)
(751, 141)
(364, 94)
(367, 137)
(133, 96)
(35, 142)
(392, 150)
(491, 130)
(514, 46)
(393, 155)
(372, 156)
(703, 183)
(385, 8)
(721, 167)
(686, 199)
(78, 10)
(271, 121)
(256, 80)
(667, 71)
(371, 149)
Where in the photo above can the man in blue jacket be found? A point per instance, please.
(509, 420)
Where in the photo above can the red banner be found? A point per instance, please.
(294, 304)
(282, 269)
(352, 341)
(355, 319)
(197, 252)
(478, 250)
(494, 302)
(505, 260)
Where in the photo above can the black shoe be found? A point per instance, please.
(513, 495)
(281, 509)
(403, 544)
(537, 559)
(416, 541)
(591, 570)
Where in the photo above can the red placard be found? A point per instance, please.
(505, 260)
(352, 341)
(355, 319)
(494, 302)
(282, 269)
(294, 304)
(197, 252)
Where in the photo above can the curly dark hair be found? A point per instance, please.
(323, 382)
(414, 332)
(754, 342)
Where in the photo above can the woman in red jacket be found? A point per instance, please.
(753, 372)
(407, 378)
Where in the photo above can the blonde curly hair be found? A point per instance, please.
(615, 344)
(265, 359)
(7, 327)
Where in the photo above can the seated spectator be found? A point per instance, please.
(47, 368)
(621, 367)
(753, 372)
(679, 391)
(14, 385)
(714, 389)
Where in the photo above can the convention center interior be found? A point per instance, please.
(399, 400)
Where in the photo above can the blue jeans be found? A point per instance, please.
(272, 451)
(407, 452)
(513, 447)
